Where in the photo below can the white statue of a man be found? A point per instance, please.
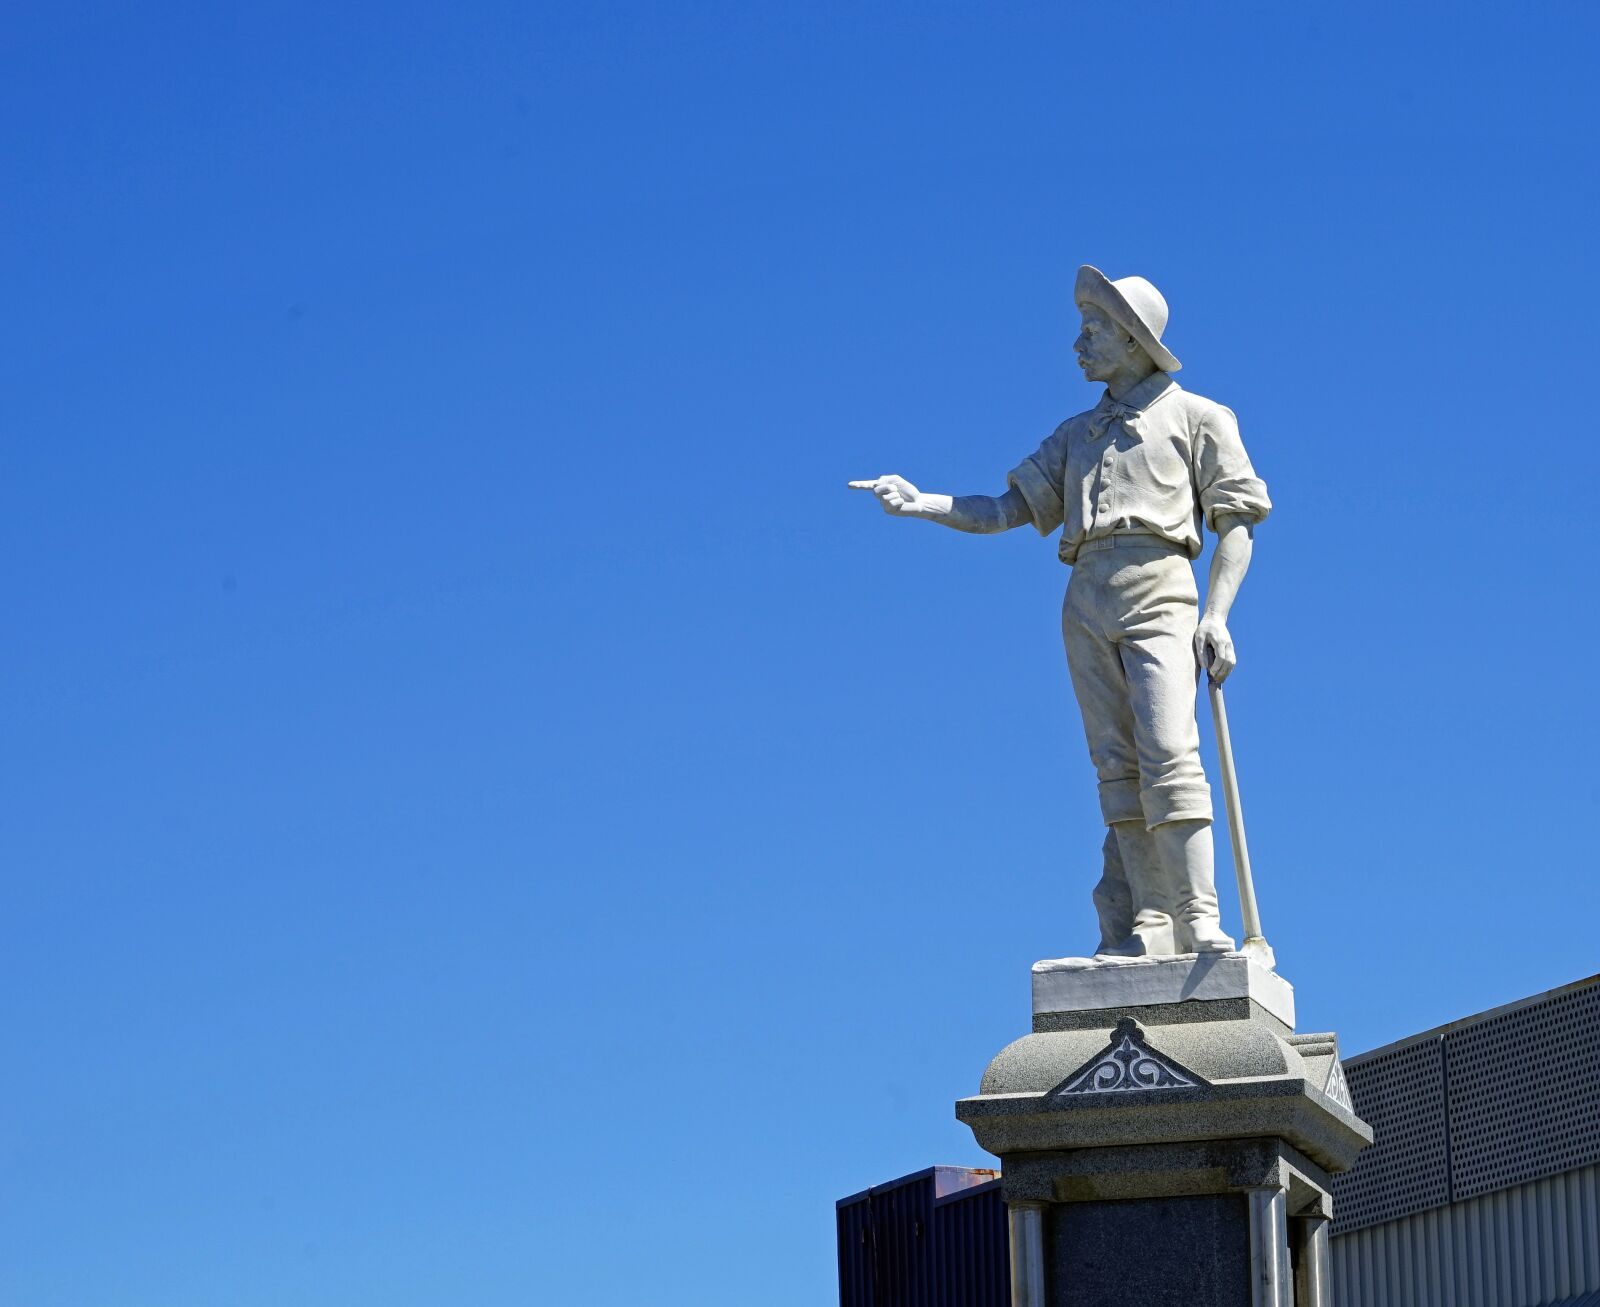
(1130, 483)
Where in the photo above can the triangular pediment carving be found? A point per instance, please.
(1127, 1065)
(1338, 1088)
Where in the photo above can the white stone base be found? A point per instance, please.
(1082, 984)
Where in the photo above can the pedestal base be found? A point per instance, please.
(1174, 1148)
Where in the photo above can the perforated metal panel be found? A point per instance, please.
(1492, 1101)
(1524, 1093)
(1400, 1094)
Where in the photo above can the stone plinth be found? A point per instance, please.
(1084, 985)
(1166, 1137)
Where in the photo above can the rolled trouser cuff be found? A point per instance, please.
(1176, 801)
(1119, 801)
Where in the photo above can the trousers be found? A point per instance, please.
(1128, 622)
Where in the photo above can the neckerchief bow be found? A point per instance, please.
(1114, 412)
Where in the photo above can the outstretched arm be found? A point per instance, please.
(978, 514)
(1213, 646)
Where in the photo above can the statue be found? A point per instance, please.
(1130, 483)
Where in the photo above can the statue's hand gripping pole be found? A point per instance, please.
(1254, 945)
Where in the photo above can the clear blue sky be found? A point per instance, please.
(489, 819)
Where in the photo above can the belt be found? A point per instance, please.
(1131, 540)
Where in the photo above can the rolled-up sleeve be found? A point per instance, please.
(1039, 478)
(1224, 480)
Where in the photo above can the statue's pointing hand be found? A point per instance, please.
(897, 496)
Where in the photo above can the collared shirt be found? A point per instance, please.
(1160, 461)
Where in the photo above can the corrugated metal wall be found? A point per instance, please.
(1527, 1246)
(933, 1239)
(970, 1241)
(890, 1250)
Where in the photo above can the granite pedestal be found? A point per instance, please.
(1167, 1138)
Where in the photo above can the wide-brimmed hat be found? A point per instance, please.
(1137, 307)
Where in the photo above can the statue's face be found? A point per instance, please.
(1104, 349)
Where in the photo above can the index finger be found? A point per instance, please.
(865, 485)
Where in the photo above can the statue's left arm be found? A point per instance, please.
(1213, 646)
(1232, 501)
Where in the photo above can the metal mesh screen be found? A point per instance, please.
(1400, 1094)
(1524, 1093)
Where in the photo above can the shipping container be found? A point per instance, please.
(933, 1239)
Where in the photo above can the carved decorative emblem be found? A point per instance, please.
(1338, 1088)
(1127, 1065)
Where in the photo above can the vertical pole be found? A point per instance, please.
(1027, 1254)
(1269, 1248)
(1253, 943)
(1312, 1286)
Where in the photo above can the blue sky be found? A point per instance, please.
(487, 816)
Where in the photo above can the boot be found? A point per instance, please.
(1113, 904)
(1186, 857)
(1151, 934)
